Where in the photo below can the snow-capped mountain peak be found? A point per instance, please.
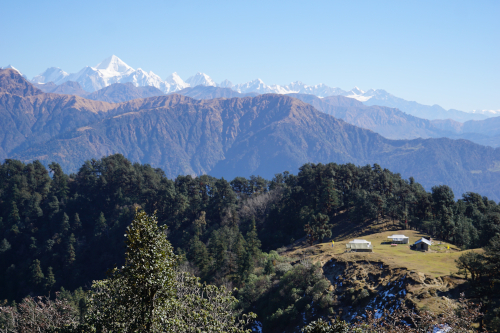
(12, 67)
(175, 82)
(201, 79)
(52, 74)
(114, 65)
(357, 91)
(226, 84)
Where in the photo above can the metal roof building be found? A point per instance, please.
(359, 245)
(399, 239)
(422, 244)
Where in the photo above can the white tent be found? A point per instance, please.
(360, 245)
(400, 239)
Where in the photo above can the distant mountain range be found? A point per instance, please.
(114, 70)
(229, 137)
(389, 122)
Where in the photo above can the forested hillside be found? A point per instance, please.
(60, 230)
(223, 137)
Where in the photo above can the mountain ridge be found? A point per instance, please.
(114, 70)
(264, 135)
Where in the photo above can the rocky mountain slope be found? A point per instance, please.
(389, 122)
(260, 135)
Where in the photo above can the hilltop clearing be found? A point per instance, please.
(439, 261)
(388, 276)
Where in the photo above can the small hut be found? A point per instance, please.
(359, 245)
(399, 239)
(422, 244)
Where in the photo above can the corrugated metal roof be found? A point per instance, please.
(426, 241)
(397, 236)
(360, 241)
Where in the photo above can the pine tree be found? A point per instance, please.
(59, 181)
(198, 254)
(100, 226)
(253, 242)
(53, 206)
(70, 250)
(65, 224)
(4, 246)
(14, 217)
(37, 276)
(50, 280)
(243, 258)
(77, 224)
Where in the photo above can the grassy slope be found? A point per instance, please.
(440, 261)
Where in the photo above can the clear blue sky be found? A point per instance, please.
(433, 52)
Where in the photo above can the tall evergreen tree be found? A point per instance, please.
(77, 224)
(36, 273)
(137, 297)
(253, 242)
(50, 280)
(100, 225)
(65, 224)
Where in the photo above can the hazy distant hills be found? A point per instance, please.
(226, 137)
(114, 70)
(389, 122)
(115, 93)
(210, 92)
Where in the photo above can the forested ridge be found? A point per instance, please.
(64, 231)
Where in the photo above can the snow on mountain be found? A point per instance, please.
(226, 84)
(110, 70)
(201, 79)
(297, 87)
(175, 83)
(113, 66)
(141, 78)
(114, 70)
(491, 113)
(90, 79)
(320, 90)
(52, 74)
(253, 86)
(12, 67)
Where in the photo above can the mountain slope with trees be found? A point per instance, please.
(225, 137)
(260, 135)
(60, 230)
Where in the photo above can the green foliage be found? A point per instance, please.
(50, 280)
(137, 297)
(148, 294)
(37, 276)
(321, 326)
(222, 227)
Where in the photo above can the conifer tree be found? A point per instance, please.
(253, 242)
(198, 254)
(50, 280)
(65, 224)
(14, 217)
(37, 276)
(77, 224)
(4, 246)
(137, 297)
(100, 225)
(59, 181)
(70, 250)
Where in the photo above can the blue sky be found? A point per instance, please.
(433, 52)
